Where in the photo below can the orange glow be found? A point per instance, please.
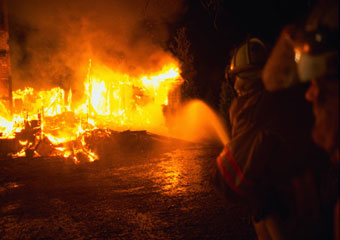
(111, 99)
(297, 55)
(23, 143)
(128, 102)
(306, 47)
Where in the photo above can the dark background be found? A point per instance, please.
(215, 27)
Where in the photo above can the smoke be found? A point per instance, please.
(51, 41)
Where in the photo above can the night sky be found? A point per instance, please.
(51, 40)
(213, 37)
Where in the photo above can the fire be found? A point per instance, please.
(111, 100)
(6, 127)
(130, 102)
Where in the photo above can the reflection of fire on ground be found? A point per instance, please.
(49, 123)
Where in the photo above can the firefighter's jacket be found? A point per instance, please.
(271, 164)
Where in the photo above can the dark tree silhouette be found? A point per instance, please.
(214, 8)
(180, 47)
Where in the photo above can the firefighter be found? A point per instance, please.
(271, 165)
(310, 54)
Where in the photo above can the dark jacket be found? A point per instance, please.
(272, 166)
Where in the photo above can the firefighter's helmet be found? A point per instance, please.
(246, 65)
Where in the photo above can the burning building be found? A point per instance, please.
(55, 123)
(111, 100)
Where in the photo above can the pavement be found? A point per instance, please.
(145, 195)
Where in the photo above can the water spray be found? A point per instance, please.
(198, 122)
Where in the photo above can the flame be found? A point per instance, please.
(6, 127)
(23, 143)
(130, 102)
(111, 99)
(57, 140)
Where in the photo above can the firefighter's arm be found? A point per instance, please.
(242, 166)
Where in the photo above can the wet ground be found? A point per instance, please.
(145, 196)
